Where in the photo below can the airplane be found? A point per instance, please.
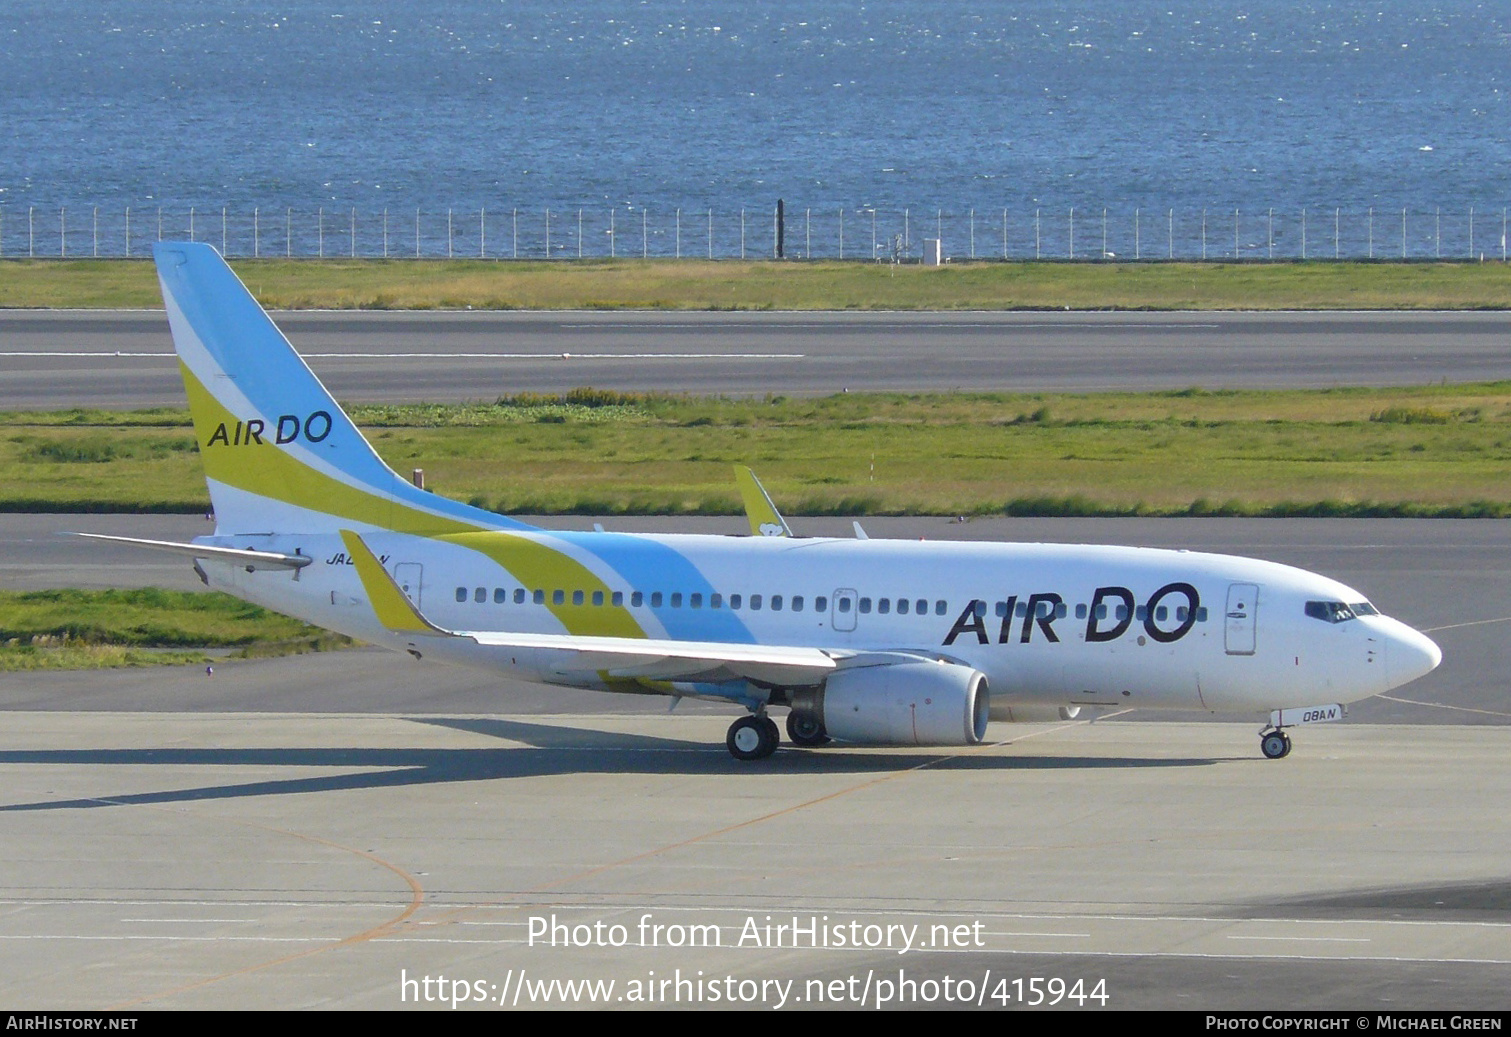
(862, 641)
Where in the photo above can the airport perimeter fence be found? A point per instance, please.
(1075, 234)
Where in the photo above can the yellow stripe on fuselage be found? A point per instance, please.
(540, 567)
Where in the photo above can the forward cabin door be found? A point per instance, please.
(1238, 625)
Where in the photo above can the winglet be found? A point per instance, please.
(392, 607)
(765, 520)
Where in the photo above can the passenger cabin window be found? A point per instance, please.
(821, 604)
(776, 603)
(797, 603)
(480, 595)
(461, 594)
(1329, 611)
(734, 602)
(519, 595)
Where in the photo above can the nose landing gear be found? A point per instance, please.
(1275, 745)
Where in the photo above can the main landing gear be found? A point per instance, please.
(756, 737)
(805, 728)
(753, 737)
(1275, 744)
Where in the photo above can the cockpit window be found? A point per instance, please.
(1330, 611)
(1364, 608)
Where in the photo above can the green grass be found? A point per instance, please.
(76, 629)
(741, 285)
(1434, 450)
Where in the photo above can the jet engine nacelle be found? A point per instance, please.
(922, 703)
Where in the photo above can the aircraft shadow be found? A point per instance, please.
(548, 751)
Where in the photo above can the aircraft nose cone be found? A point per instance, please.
(1410, 654)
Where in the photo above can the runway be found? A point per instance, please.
(319, 831)
(51, 360)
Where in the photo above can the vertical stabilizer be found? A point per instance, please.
(280, 455)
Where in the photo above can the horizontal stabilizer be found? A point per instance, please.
(241, 556)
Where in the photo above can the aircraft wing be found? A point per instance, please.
(645, 658)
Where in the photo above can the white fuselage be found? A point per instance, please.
(1049, 625)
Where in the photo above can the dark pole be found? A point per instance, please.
(781, 229)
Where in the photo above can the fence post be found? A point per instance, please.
(1270, 231)
(450, 237)
(1371, 232)
(973, 233)
(1037, 238)
(62, 231)
(548, 232)
(1204, 235)
(579, 233)
(191, 223)
(385, 232)
(1004, 234)
(1235, 233)
(742, 232)
(1439, 247)
(417, 232)
(1137, 249)
(256, 235)
(1171, 233)
(1471, 232)
(288, 232)
(354, 232)
(319, 230)
(97, 233)
(1072, 232)
(873, 235)
(1403, 233)
(1303, 233)
(1104, 232)
(224, 236)
(842, 233)
(907, 236)
(1335, 232)
(807, 233)
(710, 233)
(515, 245)
(128, 231)
(482, 232)
(31, 234)
(645, 246)
(679, 232)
